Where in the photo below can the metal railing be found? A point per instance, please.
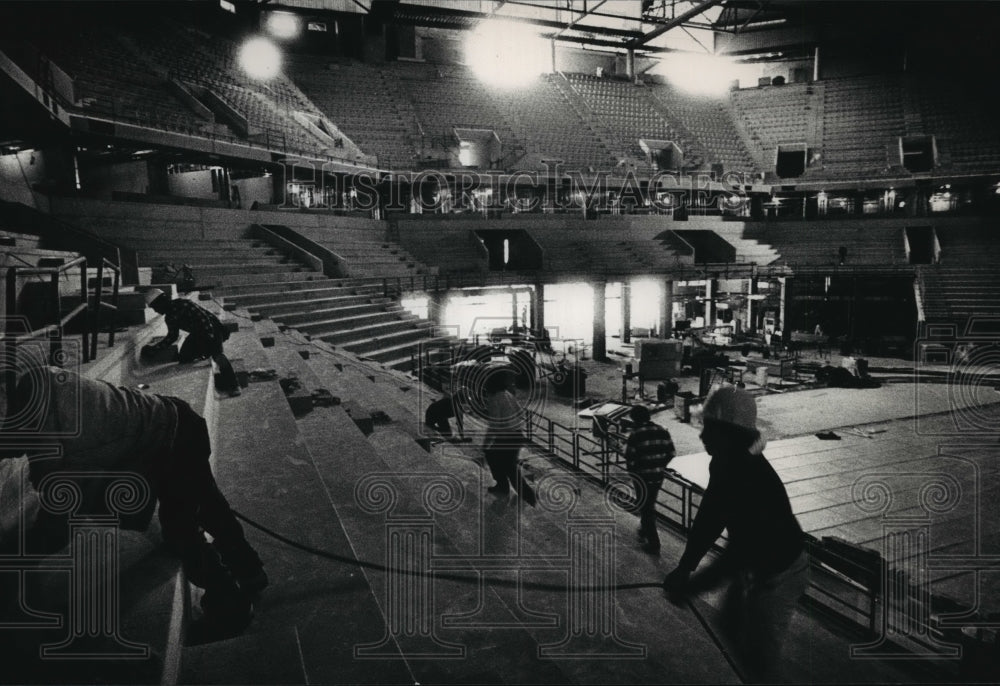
(55, 329)
(840, 586)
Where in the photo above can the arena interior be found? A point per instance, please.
(618, 202)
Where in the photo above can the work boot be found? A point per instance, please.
(227, 612)
(245, 566)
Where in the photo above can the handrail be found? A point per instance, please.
(55, 344)
(55, 269)
(90, 332)
(316, 254)
(98, 305)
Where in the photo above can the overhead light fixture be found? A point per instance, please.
(283, 25)
(260, 58)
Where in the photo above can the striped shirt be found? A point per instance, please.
(648, 450)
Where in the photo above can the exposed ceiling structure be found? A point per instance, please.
(641, 25)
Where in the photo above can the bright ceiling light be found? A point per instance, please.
(701, 74)
(283, 25)
(260, 58)
(506, 53)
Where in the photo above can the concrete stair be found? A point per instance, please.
(360, 328)
(350, 313)
(335, 615)
(266, 294)
(343, 307)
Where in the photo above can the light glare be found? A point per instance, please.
(283, 25)
(700, 74)
(505, 53)
(260, 58)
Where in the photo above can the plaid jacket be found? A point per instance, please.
(186, 315)
(648, 450)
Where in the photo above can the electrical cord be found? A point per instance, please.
(493, 581)
(510, 583)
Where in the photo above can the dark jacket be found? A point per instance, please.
(746, 497)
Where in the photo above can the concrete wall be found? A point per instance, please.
(120, 221)
(127, 177)
(259, 190)
(192, 184)
(17, 174)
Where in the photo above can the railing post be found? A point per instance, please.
(576, 450)
(10, 342)
(605, 470)
(55, 344)
(552, 437)
(114, 304)
(96, 319)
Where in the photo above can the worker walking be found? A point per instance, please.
(648, 450)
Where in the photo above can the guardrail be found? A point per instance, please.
(55, 330)
(841, 585)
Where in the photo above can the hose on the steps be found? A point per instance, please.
(528, 585)
(478, 578)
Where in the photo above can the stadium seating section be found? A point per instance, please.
(403, 115)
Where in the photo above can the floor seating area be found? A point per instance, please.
(776, 115)
(542, 118)
(819, 244)
(358, 98)
(625, 112)
(963, 128)
(863, 119)
(710, 122)
(445, 97)
(450, 246)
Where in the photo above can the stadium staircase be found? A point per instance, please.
(619, 149)
(962, 286)
(707, 120)
(329, 452)
(339, 444)
(354, 313)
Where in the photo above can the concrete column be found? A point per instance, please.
(600, 349)
(630, 64)
(538, 308)
(552, 44)
(435, 305)
(667, 313)
(710, 287)
(626, 334)
(514, 315)
(751, 303)
(783, 307)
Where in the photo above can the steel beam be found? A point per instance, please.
(673, 23)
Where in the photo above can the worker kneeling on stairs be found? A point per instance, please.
(158, 438)
(206, 335)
